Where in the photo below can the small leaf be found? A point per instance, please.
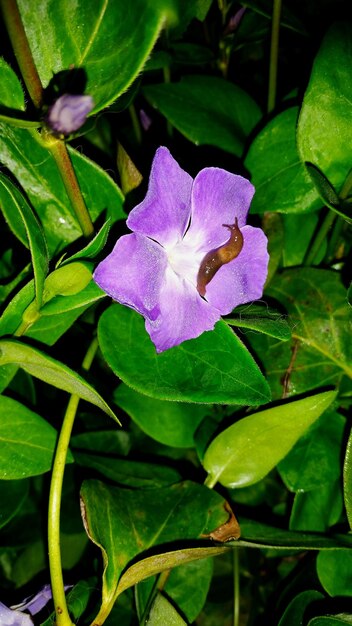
(50, 371)
(27, 442)
(260, 318)
(12, 96)
(93, 248)
(215, 367)
(27, 228)
(163, 613)
(335, 572)
(295, 611)
(171, 423)
(207, 110)
(246, 451)
(323, 186)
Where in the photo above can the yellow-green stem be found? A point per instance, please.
(55, 564)
(59, 151)
(274, 54)
(19, 42)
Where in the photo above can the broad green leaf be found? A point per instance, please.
(110, 43)
(125, 523)
(103, 441)
(280, 179)
(294, 612)
(246, 451)
(50, 371)
(163, 613)
(11, 95)
(27, 157)
(129, 473)
(299, 231)
(207, 110)
(315, 460)
(273, 227)
(335, 572)
(215, 367)
(318, 509)
(188, 587)
(27, 441)
(171, 423)
(260, 318)
(321, 317)
(324, 126)
(17, 210)
(347, 480)
(12, 492)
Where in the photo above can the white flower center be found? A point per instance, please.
(184, 259)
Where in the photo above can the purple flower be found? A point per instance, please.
(14, 615)
(155, 270)
(69, 113)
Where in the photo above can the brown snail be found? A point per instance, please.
(217, 257)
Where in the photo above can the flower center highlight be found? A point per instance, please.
(184, 259)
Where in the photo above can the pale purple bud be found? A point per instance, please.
(69, 113)
(234, 21)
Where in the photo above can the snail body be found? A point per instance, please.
(214, 259)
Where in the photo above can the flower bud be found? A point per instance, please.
(69, 113)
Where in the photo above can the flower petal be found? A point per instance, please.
(9, 617)
(242, 280)
(164, 213)
(183, 313)
(133, 273)
(218, 197)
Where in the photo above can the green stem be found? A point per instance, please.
(274, 54)
(59, 151)
(167, 80)
(19, 41)
(320, 237)
(57, 583)
(236, 587)
(210, 481)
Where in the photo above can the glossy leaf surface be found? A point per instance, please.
(207, 110)
(246, 451)
(215, 367)
(335, 572)
(50, 371)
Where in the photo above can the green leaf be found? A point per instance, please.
(17, 211)
(321, 317)
(186, 11)
(155, 517)
(246, 451)
(12, 96)
(280, 179)
(170, 423)
(207, 110)
(163, 613)
(92, 249)
(324, 126)
(188, 587)
(295, 611)
(104, 441)
(347, 480)
(50, 371)
(318, 509)
(315, 460)
(215, 367)
(12, 492)
(129, 473)
(27, 442)
(22, 150)
(261, 318)
(299, 231)
(335, 572)
(110, 43)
